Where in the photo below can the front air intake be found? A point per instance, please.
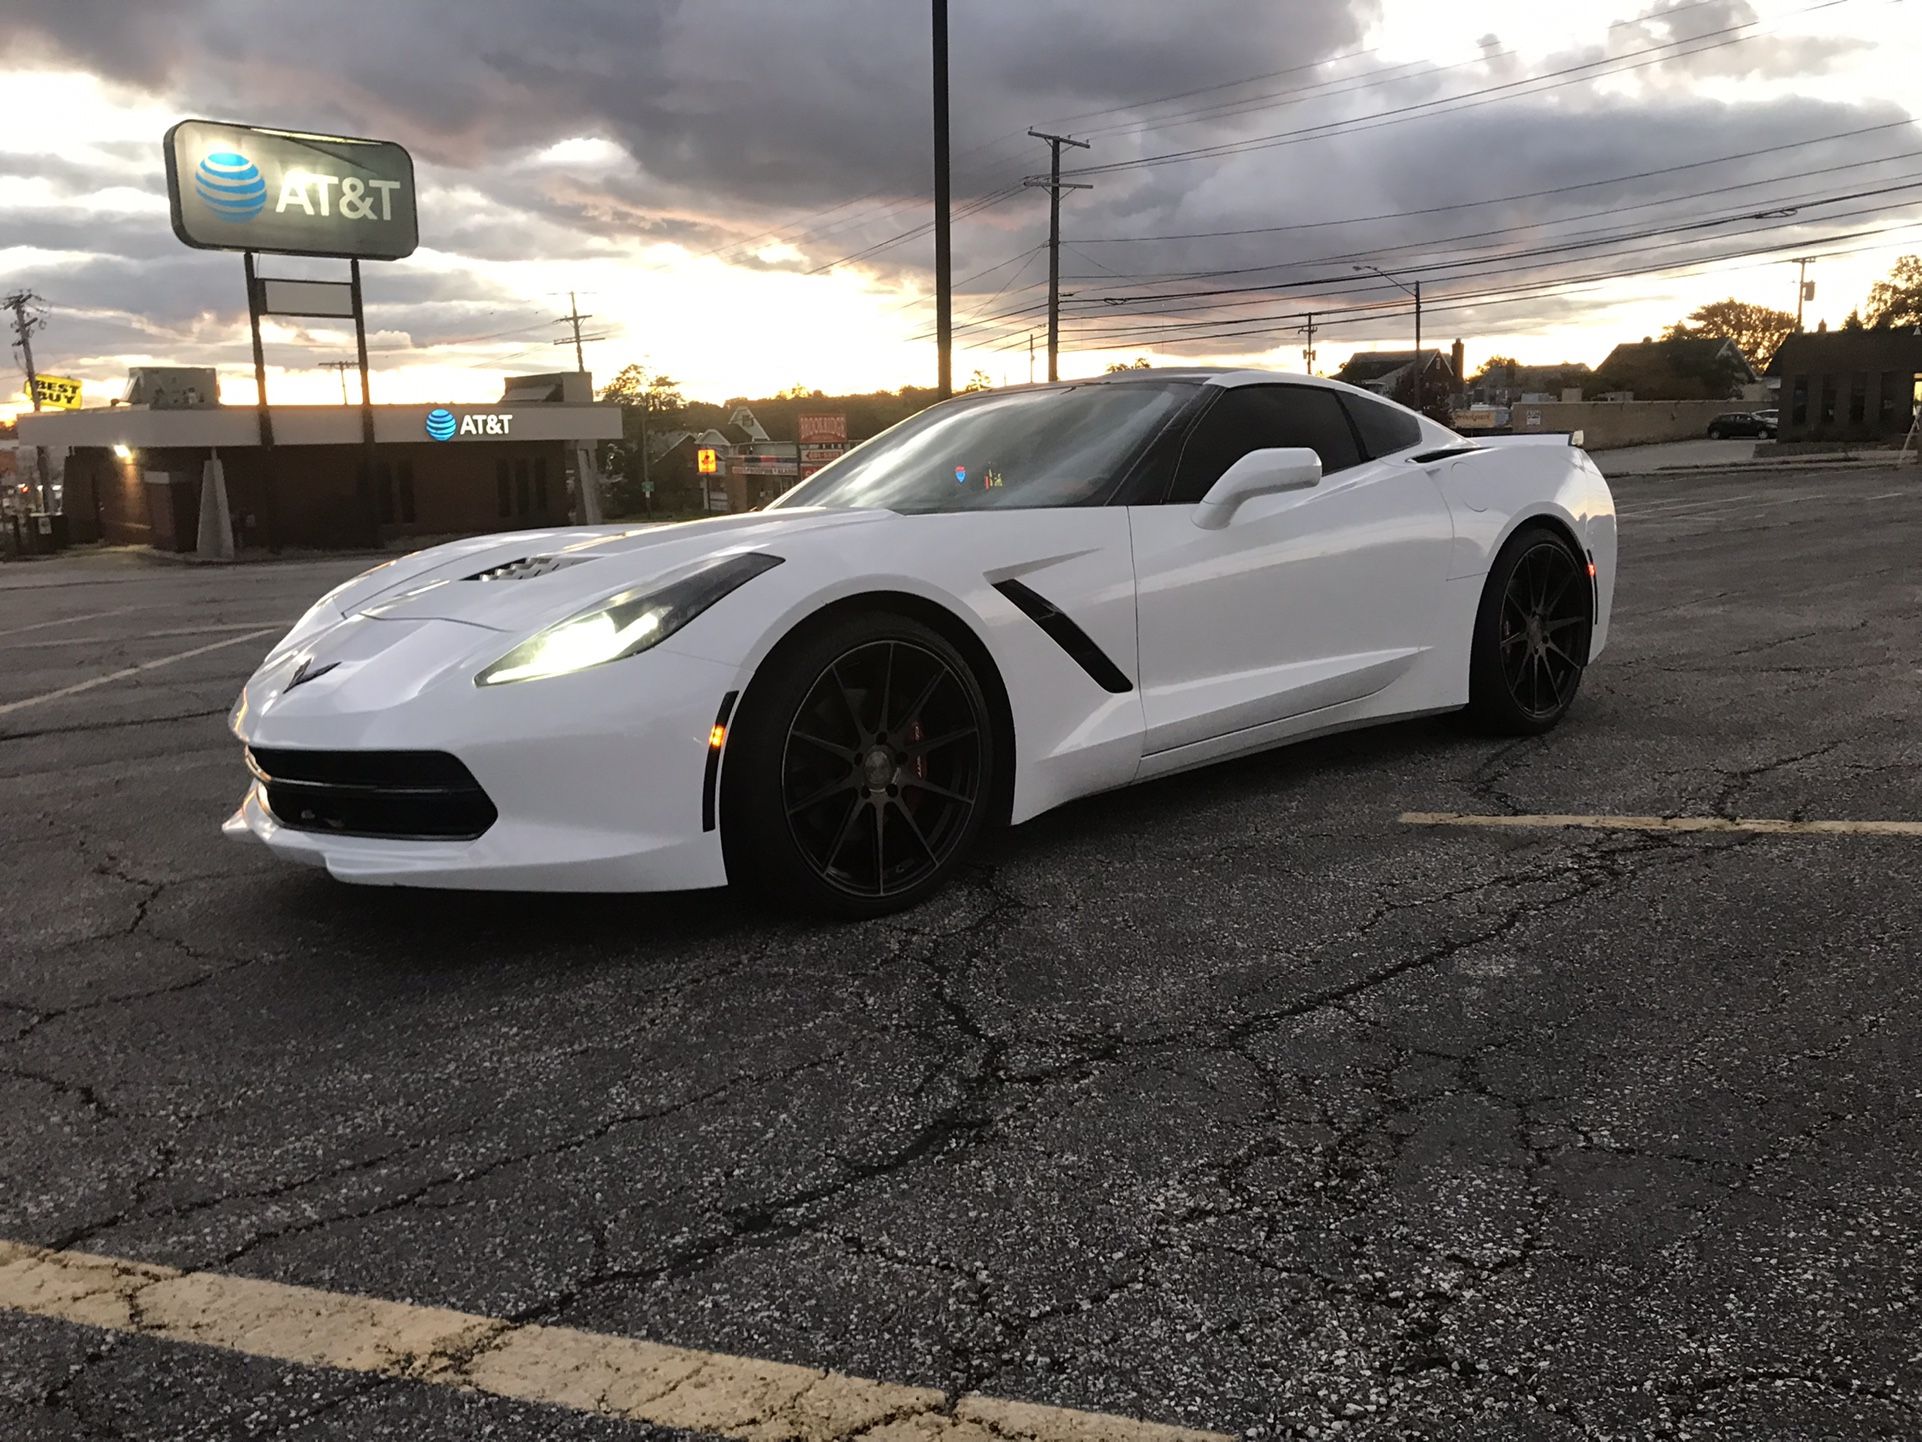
(399, 795)
(527, 568)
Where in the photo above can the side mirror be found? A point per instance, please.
(1259, 473)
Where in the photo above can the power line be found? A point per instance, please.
(1175, 302)
(343, 367)
(21, 302)
(574, 318)
(1069, 121)
(1563, 244)
(1448, 105)
(1054, 185)
(1251, 326)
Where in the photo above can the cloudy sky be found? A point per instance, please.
(739, 189)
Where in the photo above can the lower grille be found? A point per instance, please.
(400, 795)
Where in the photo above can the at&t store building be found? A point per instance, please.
(144, 473)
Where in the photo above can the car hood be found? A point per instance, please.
(531, 578)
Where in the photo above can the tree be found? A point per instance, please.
(1756, 329)
(1898, 300)
(659, 395)
(647, 399)
(1853, 321)
(978, 382)
(1495, 368)
(1140, 364)
(796, 393)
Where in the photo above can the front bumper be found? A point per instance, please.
(597, 777)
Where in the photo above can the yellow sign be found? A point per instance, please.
(706, 462)
(61, 393)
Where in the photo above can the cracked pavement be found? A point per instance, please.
(1226, 1102)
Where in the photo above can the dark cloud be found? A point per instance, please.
(733, 117)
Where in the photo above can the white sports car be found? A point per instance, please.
(1008, 601)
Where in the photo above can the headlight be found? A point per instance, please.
(624, 624)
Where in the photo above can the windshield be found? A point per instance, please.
(1023, 449)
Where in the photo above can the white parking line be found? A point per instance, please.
(10, 707)
(68, 620)
(1667, 823)
(167, 634)
(706, 1392)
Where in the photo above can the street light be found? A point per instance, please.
(1415, 292)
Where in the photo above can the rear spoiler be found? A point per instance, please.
(1530, 438)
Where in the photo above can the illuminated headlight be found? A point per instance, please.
(625, 624)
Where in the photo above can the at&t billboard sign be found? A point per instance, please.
(243, 187)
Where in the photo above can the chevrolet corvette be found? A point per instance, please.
(1008, 601)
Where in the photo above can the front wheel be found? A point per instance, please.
(861, 769)
(1531, 634)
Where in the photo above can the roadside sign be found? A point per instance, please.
(647, 488)
(60, 393)
(821, 455)
(244, 187)
(762, 463)
(706, 462)
(822, 426)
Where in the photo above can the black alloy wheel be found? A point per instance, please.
(1532, 634)
(883, 768)
(861, 770)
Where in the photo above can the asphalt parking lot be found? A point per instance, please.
(1234, 1103)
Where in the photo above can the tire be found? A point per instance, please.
(1715, 435)
(1531, 635)
(860, 770)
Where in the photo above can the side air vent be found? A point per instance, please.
(527, 568)
(1068, 636)
(1426, 457)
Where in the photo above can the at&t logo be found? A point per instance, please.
(231, 186)
(444, 425)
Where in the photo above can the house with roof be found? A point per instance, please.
(1856, 385)
(1392, 373)
(1681, 368)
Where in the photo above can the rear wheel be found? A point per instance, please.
(1531, 634)
(860, 769)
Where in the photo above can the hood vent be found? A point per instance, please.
(527, 568)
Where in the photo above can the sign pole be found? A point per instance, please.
(366, 404)
(265, 417)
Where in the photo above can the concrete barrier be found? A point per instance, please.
(1607, 424)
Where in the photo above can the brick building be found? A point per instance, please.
(1851, 385)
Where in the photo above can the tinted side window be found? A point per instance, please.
(1384, 429)
(1254, 418)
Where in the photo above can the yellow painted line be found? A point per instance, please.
(1764, 825)
(622, 1377)
(126, 671)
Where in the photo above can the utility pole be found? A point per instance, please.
(1801, 287)
(342, 367)
(1030, 357)
(1054, 186)
(1308, 344)
(1421, 371)
(943, 255)
(574, 318)
(24, 326)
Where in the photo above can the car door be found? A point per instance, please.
(1306, 599)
